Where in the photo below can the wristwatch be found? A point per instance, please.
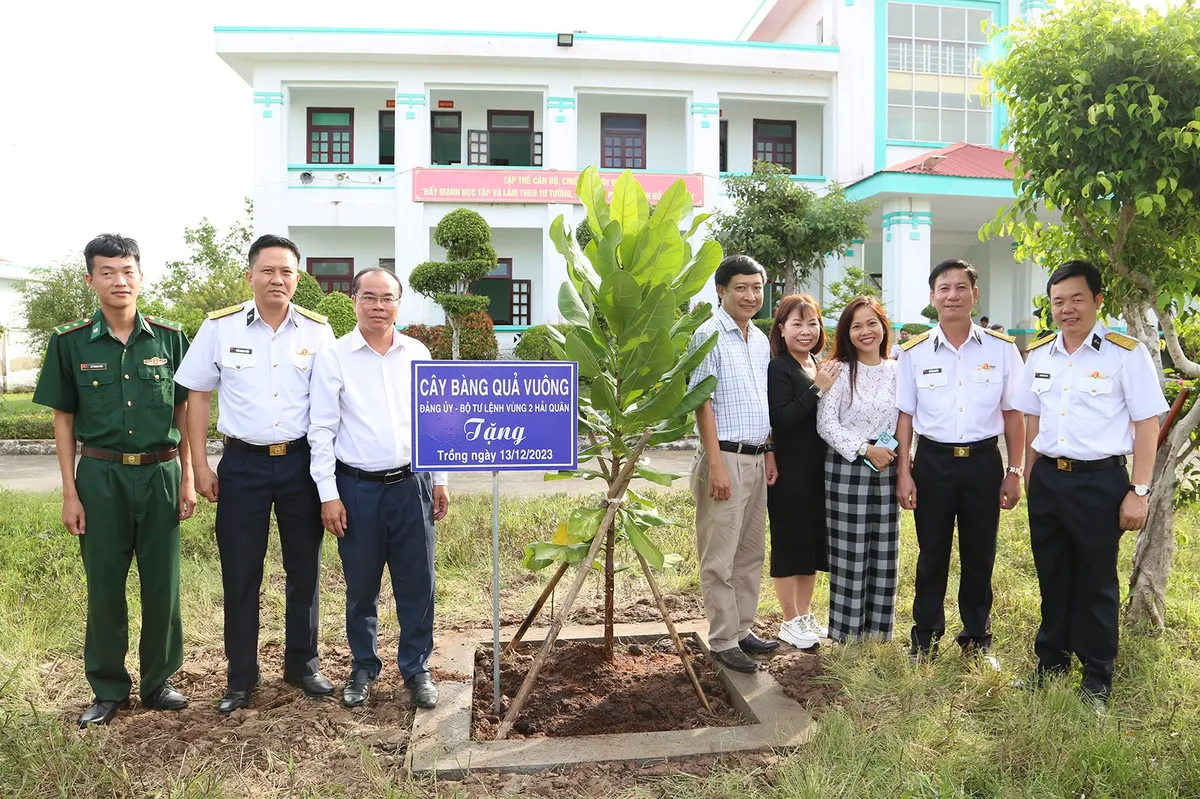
(1017, 470)
(1140, 489)
(768, 447)
(816, 392)
(862, 451)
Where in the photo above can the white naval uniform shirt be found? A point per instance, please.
(1089, 399)
(958, 395)
(362, 408)
(262, 376)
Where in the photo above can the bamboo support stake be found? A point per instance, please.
(615, 493)
(536, 609)
(662, 608)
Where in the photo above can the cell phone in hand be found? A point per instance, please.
(887, 441)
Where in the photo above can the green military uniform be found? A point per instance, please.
(123, 397)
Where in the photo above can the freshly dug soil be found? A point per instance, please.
(580, 693)
(801, 674)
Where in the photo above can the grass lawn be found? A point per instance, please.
(21, 403)
(945, 729)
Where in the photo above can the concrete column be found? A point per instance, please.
(704, 142)
(554, 266)
(907, 235)
(270, 157)
(560, 134)
(412, 232)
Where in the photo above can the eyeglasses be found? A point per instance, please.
(371, 299)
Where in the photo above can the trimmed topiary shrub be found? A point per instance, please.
(308, 292)
(425, 334)
(534, 344)
(26, 426)
(476, 339)
(764, 325)
(915, 328)
(339, 308)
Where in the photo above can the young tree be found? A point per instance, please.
(339, 309)
(855, 283)
(58, 296)
(212, 277)
(1104, 117)
(467, 240)
(786, 226)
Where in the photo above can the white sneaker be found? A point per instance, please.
(796, 632)
(810, 623)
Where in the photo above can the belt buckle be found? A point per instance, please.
(962, 452)
(391, 478)
(277, 449)
(1064, 465)
(132, 459)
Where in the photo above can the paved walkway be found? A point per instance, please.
(40, 473)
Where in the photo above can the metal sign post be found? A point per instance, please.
(476, 416)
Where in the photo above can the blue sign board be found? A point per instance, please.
(483, 416)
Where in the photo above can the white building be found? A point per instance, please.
(18, 361)
(364, 138)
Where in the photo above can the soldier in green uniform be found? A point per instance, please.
(110, 381)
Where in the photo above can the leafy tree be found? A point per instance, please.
(855, 283)
(786, 226)
(467, 239)
(58, 295)
(634, 275)
(340, 310)
(1104, 117)
(308, 292)
(212, 277)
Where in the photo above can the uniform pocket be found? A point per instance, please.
(1093, 400)
(97, 390)
(238, 360)
(157, 384)
(986, 383)
(303, 360)
(933, 386)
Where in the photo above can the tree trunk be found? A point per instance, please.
(1152, 555)
(791, 282)
(609, 570)
(1135, 311)
(453, 337)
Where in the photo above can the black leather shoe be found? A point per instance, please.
(234, 700)
(424, 692)
(315, 686)
(102, 712)
(753, 645)
(736, 659)
(357, 689)
(165, 697)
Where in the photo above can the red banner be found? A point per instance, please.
(478, 185)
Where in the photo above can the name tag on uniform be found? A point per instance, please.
(242, 350)
(1041, 375)
(92, 367)
(936, 371)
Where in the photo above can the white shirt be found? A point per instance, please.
(262, 375)
(958, 395)
(362, 408)
(739, 363)
(1089, 399)
(847, 423)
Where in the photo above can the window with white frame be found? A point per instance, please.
(934, 56)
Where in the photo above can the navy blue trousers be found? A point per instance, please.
(250, 486)
(392, 525)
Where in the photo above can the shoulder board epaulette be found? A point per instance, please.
(224, 312)
(78, 324)
(167, 323)
(914, 341)
(1000, 335)
(1124, 342)
(313, 315)
(1041, 341)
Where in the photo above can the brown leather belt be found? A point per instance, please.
(130, 458)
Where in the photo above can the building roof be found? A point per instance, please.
(960, 160)
(768, 19)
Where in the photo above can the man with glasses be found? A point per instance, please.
(379, 509)
(259, 356)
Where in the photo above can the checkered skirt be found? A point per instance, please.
(863, 520)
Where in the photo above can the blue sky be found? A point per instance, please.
(118, 117)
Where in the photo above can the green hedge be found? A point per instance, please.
(535, 343)
(476, 339)
(915, 328)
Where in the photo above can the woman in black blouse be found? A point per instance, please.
(796, 500)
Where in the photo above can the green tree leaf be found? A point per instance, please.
(570, 305)
(673, 206)
(619, 299)
(629, 202)
(595, 200)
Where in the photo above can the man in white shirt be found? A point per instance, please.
(379, 509)
(259, 356)
(954, 388)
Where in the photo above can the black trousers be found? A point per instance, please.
(966, 490)
(1074, 529)
(250, 485)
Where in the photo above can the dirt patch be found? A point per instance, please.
(319, 736)
(579, 692)
(801, 673)
(682, 608)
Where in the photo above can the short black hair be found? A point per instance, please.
(738, 265)
(983, 320)
(953, 263)
(1076, 269)
(111, 245)
(271, 240)
(377, 270)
